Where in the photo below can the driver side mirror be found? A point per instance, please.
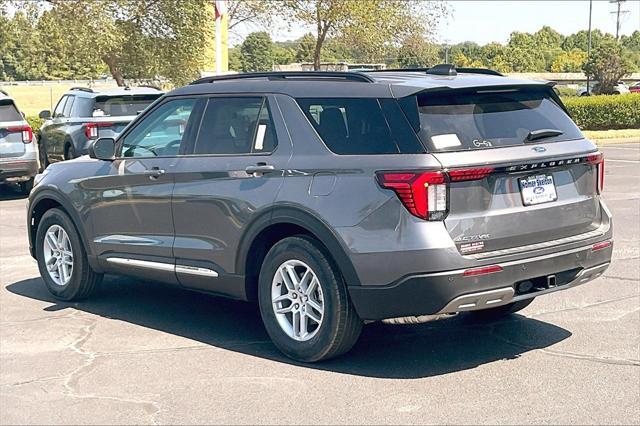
(103, 149)
(45, 115)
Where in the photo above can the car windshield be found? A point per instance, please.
(117, 106)
(480, 119)
(9, 112)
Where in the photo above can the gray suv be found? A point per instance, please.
(82, 115)
(333, 199)
(18, 154)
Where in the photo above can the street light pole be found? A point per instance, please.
(589, 42)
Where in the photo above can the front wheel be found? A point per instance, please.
(62, 259)
(304, 302)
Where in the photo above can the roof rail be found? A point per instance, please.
(441, 70)
(480, 71)
(294, 75)
(150, 86)
(84, 89)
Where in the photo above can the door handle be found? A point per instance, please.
(154, 172)
(259, 169)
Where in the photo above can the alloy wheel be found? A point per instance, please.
(58, 255)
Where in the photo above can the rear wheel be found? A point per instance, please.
(62, 259)
(504, 310)
(304, 302)
(42, 153)
(69, 152)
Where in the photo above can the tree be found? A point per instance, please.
(135, 39)
(257, 52)
(306, 46)
(416, 52)
(372, 25)
(569, 61)
(580, 41)
(607, 66)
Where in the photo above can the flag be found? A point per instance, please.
(221, 8)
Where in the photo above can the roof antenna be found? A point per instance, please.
(443, 69)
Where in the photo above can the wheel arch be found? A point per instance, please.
(45, 200)
(281, 222)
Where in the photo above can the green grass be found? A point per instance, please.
(602, 135)
(33, 99)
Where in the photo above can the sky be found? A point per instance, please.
(487, 21)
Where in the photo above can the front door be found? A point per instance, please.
(233, 172)
(131, 217)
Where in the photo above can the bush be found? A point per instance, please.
(605, 112)
(35, 122)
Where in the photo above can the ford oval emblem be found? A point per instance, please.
(539, 149)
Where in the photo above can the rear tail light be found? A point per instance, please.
(597, 159)
(424, 194)
(27, 133)
(91, 129)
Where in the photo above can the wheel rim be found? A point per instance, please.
(58, 255)
(297, 300)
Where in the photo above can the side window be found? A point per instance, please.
(236, 126)
(58, 112)
(350, 125)
(67, 108)
(83, 107)
(161, 132)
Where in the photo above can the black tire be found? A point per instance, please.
(69, 151)
(83, 280)
(504, 310)
(26, 186)
(340, 327)
(42, 152)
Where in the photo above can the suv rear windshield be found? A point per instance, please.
(9, 112)
(455, 121)
(117, 106)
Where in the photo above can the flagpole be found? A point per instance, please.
(218, 44)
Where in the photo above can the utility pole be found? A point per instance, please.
(618, 12)
(589, 43)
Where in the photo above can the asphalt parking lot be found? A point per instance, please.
(140, 352)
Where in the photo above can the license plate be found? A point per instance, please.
(537, 189)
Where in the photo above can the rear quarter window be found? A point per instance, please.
(9, 112)
(363, 126)
(122, 105)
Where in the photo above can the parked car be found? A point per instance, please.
(18, 155)
(335, 198)
(620, 88)
(83, 114)
(635, 87)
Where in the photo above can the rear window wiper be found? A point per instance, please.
(535, 135)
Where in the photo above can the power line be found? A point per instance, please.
(619, 13)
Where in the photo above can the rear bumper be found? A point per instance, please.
(452, 291)
(17, 170)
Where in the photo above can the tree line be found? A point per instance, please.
(166, 39)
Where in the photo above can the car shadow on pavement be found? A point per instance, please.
(383, 351)
(10, 192)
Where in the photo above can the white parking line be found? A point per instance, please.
(622, 161)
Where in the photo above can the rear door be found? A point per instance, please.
(232, 173)
(520, 169)
(11, 123)
(131, 217)
(52, 131)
